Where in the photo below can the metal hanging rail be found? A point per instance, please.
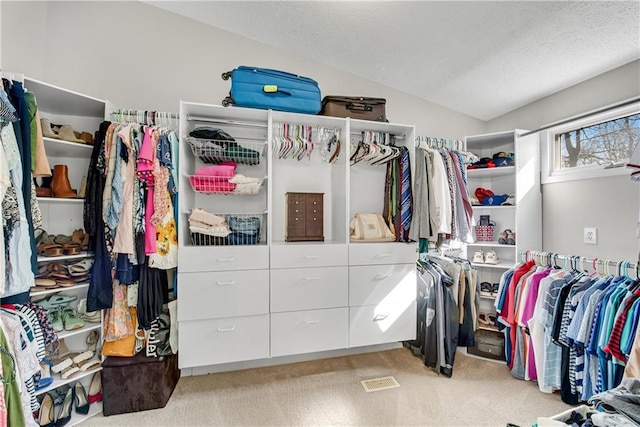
(550, 258)
(225, 122)
(156, 114)
(583, 116)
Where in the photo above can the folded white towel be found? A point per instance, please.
(205, 217)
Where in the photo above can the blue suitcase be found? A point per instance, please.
(267, 89)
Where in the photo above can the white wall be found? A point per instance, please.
(609, 204)
(141, 57)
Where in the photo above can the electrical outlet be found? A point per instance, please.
(591, 235)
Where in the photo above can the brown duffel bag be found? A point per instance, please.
(356, 107)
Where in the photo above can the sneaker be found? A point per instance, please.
(491, 258)
(485, 289)
(478, 257)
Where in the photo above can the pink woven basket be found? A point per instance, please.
(484, 233)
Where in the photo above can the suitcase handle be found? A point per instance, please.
(357, 106)
(274, 89)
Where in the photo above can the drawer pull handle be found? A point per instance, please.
(226, 259)
(309, 322)
(226, 329)
(379, 317)
(311, 256)
(381, 276)
(384, 255)
(311, 278)
(226, 283)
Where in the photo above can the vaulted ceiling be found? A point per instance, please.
(480, 58)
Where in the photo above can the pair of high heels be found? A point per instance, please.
(75, 396)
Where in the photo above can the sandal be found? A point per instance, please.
(61, 239)
(92, 344)
(71, 248)
(80, 268)
(49, 249)
(46, 283)
(485, 289)
(56, 301)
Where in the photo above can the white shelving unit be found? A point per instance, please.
(524, 218)
(63, 216)
(276, 298)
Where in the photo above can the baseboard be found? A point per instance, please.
(260, 363)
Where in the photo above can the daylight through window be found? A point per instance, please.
(607, 144)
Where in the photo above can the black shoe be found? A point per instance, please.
(65, 412)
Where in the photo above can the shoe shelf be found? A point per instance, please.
(58, 289)
(504, 264)
(86, 328)
(94, 409)
(491, 244)
(59, 382)
(61, 148)
(60, 200)
(81, 255)
(499, 207)
(492, 297)
(491, 172)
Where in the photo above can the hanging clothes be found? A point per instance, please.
(443, 208)
(447, 311)
(567, 329)
(132, 195)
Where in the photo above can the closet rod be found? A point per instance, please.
(545, 256)
(135, 112)
(399, 137)
(225, 122)
(583, 116)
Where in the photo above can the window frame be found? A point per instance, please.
(547, 139)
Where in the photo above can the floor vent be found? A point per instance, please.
(377, 384)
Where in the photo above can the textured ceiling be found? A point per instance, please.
(480, 58)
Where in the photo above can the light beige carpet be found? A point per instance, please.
(328, 393)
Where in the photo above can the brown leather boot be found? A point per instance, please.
(60, 184)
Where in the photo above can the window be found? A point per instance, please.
(596, 146)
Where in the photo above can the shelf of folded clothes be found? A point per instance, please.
(215, 151)
(236, 185)
(208, 229)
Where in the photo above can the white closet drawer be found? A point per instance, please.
(309, 288)
(303, 255)
(208, 258)
(208, 342)
(309, 331)
(382, 253)
(373, 284)
(382, 323)
(213, 295)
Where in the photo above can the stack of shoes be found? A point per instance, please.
(487, 320)
(507, 237)
(65, 133)
(69, 363)
(486, 289)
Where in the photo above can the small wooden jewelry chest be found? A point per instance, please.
(304, 217)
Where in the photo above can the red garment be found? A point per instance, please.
(613, 345)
